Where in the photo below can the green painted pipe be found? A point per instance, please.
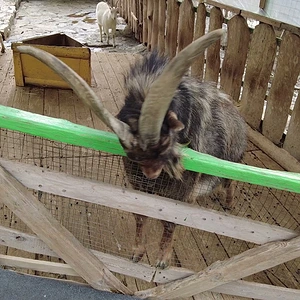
(70, 133)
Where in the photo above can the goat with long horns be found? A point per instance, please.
(165, 109)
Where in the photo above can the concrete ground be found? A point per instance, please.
(14, 286)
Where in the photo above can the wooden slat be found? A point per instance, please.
(292, 141)
(219, 273)
(235, 56)
(197, 68)
(258, 291)
(38, 218)
(31, 243)
(172, 28)
(282, 89)
(150, 5)
(152, 206)
(259, 66)
(213, 52)
(162, 6)
(281, 156)
(145, 23)
(186, 24)
(155, 19)
(37, 265)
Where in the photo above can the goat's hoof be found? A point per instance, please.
(137, 257)
(138, 253)
(162, 264)
(2, 50)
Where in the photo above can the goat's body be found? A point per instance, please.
(164, 110)
(106, 18)
(212, 125)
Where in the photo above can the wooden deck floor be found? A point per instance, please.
(270, 206)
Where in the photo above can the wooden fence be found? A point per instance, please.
(259, 66)
(277, 244)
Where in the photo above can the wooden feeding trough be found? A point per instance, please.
(29, 70)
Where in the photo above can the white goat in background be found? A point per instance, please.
(2, 44)
(106, 18)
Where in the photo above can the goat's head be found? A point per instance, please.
(113, 12)
(150, 141)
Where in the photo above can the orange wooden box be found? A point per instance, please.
(28, 70)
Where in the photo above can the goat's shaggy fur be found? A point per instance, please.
(212, 125)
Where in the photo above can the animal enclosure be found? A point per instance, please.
(78, 174)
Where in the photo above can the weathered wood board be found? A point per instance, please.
(235, 56)
(282, 89)
(262, 49)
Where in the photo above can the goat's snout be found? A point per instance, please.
(151, 171)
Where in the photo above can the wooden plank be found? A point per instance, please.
(102, 91)
(31, 243)
(7, 83)
(150, 5)
(259, 66)
(145, 23)
(292, 141)
(172, 28)
(186, 24)
(38, 218)
(51, 103)
(258, 291)
(197, 68)
(155, 20)
(235, 56)
(36, 100)
(157, 207)
(161, 25)
(281, 156)
(37, 265)
(19, 76)
(282, 89)
(219, 273)
(213, 52)
(113, 85)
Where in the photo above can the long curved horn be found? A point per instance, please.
(164, 87)
(83, 91)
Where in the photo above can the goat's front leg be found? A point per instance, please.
(2, 44)
(107, 35)
(229, 186)
(100, 28)
(113, 32)
(166, 245)
(139, 247)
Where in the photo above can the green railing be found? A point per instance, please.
(70, 133)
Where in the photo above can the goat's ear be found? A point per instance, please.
(173, 122)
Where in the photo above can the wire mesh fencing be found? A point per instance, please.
(112, 231)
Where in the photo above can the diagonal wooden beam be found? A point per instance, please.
(33, 213)
(221, 272)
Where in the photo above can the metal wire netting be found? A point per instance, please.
(113, 231)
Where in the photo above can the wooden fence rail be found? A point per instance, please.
(255, 69)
